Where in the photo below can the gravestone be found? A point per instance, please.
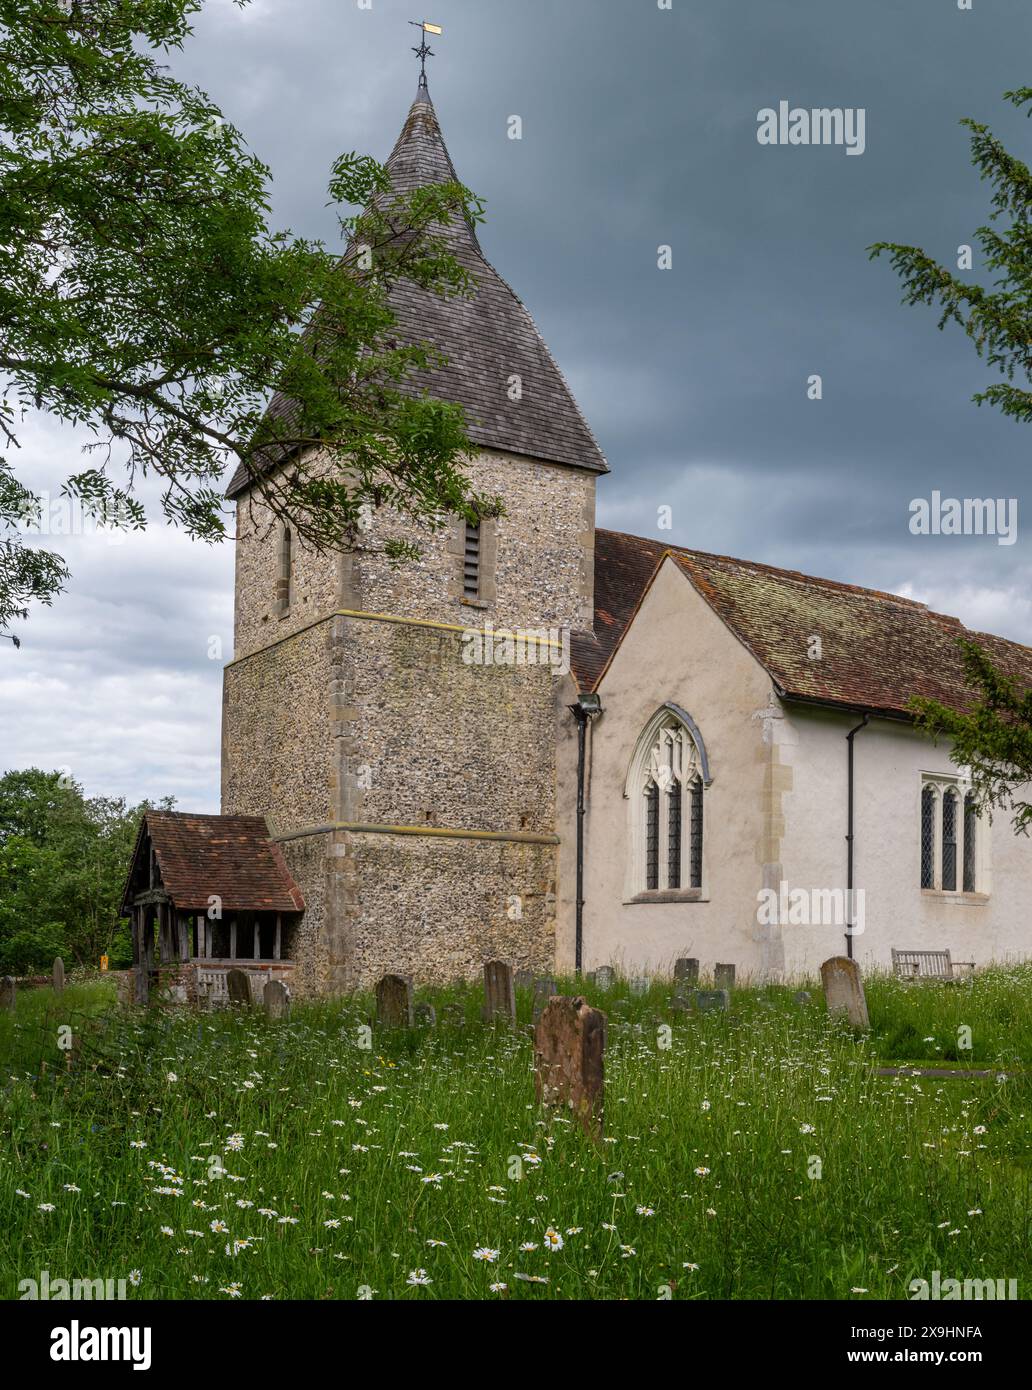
(238, 987)
(426, 1015)
(712, 1000)
(58, 975)
(8, 993)
(686, 970)
(724, 976)
(639, 984)
(499, 992)
(544, 988)
(569, 1050)
(844, 990)
(394, 1001)
(523, 979)
(801, 997)
(276, 998)
(604, 977)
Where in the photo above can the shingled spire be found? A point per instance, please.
(488, 338)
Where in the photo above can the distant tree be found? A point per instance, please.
(145, 299)
(63, 863)
(994, 737)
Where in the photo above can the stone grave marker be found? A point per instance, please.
(544, 988)
(58, 975)
(8, 993)
(238, 987)
(426, 1015)
(394, 1001)
(686, 971)
(569, 1051)
(710, 1000)
(499, 992)
(604, 977)
(276, 998)
(844, 990)
(801, 997)
(724, 976)
(639, 984)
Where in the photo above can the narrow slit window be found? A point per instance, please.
(674, 837)
(286, 572)
(695, 845)
(471, 562)
(970, 841)
(927, 838)
(949, 842)
(652, 836)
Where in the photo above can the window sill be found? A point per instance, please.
(474, 603)
(958, 899)
(667, 895)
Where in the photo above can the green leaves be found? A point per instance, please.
(145, 299)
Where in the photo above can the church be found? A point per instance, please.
(563, 746)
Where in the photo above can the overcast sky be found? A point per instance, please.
(639, 130)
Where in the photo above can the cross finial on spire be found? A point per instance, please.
(424, 51)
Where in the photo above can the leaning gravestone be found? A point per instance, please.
(499, 992)
(543, 990)
(238, 987)
(426, 1015)
(569, 1048)
(844, 990)
(276, 998)
(394, 1002)
(710, 1000)
(724, 976)
(605, 977)
(686, 970)
(58, 975)
(8, 992)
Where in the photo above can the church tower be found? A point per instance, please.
(408, 776)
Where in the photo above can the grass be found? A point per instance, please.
(753, 1154)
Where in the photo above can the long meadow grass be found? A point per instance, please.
(753, 1154)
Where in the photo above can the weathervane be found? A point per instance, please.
(424, 51)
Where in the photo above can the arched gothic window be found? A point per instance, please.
(666, 790)
(953, 855)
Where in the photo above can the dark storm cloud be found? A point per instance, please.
(639, 130)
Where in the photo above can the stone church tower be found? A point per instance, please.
(414, 793)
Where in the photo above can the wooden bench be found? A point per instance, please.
(922, 965)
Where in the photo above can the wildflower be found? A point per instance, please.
(645, 1211)
(47, 1206)
(172, 1077)
(232, 1290)
(167, 1231)
(688, 1265)
(859, 1290)
(136, 1278)
(436, 1244)
(705, 1105)
(418, 1276)
(482, 1252)
(528, 1245)
(628, 1251)
(333, 1224)
(553, 1240)
(702, 1172)
(807, 1129)
(979, 1129)
(137, 1143)
(234, 1143)
(436, 1178)
(498, 1288)
(71, 1187)
(219, 1227)
(287, 1221)
(574, 1230)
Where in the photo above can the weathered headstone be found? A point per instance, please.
(569, 1048)
(844, 990)
(801, 997)
(639, 984)
(499, 992)
(394, 1001)
(686, 970)
(426, 1015)
(710, 1000)
(544, 988)
(604, 977)
(724, 976)
(8, 992)
(238, 987)
(58, 975)
(276, 998)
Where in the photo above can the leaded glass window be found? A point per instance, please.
(970, 841)
(927, 838)
(674, 837)
(652, 836)
(666, 787)
(949, 842)
(696, 834)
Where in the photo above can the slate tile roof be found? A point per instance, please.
(487, 338)
(230, 856)
(878, 649)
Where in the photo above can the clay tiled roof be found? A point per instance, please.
(877, 649)
(487, 338)
(228, 856)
